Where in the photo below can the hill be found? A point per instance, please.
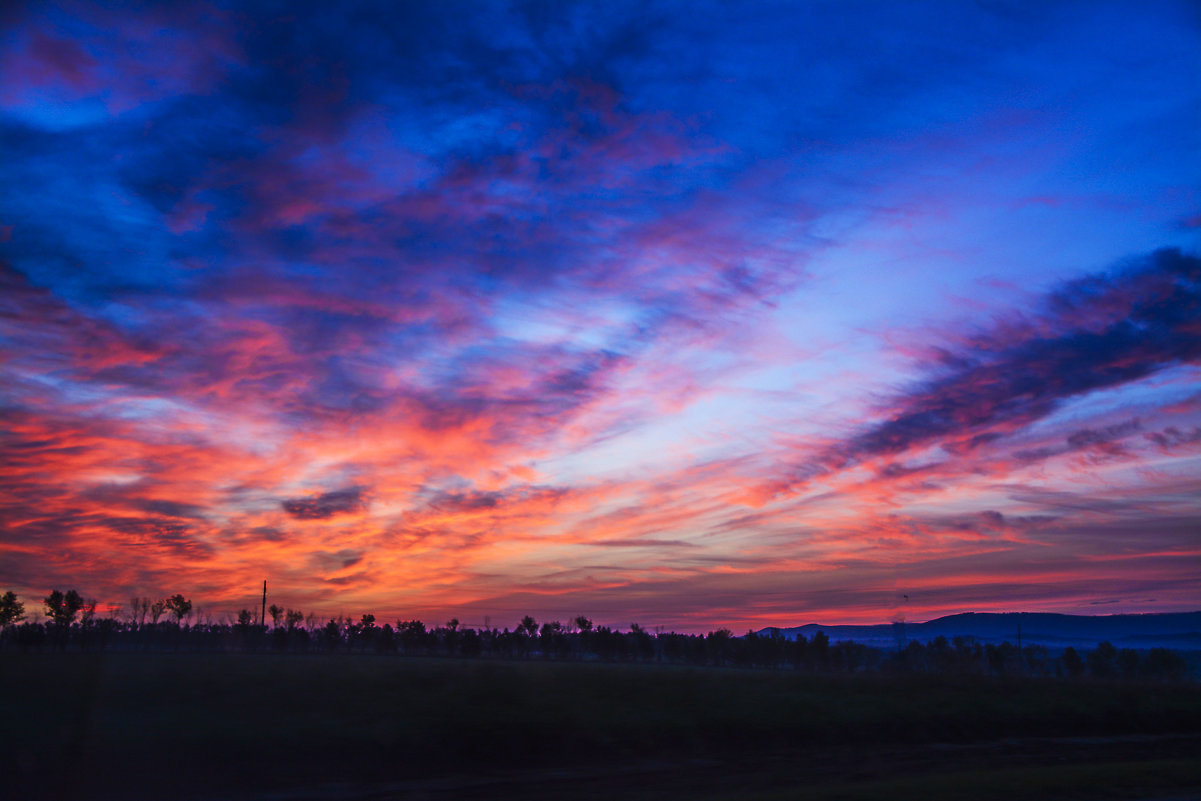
(1176, 630)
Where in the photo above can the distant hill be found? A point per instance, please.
(1176, 630)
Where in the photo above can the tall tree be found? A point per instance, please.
(178, 606)
(139, 606)
(63, 607)
(11, 610)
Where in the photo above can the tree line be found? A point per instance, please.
(148, 624)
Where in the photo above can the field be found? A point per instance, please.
(126, 725)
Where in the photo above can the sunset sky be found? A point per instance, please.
(692, 314)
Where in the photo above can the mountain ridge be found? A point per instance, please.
(1149, 630)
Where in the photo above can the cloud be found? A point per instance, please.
(645, 542)
(1092, 334)
(336, 560)
(325, 505)
(1172, 438)
(1101, 443)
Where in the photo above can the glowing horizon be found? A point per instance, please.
(700, 316)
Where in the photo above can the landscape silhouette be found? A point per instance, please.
(285, 704)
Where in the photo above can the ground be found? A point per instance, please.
(236, 726)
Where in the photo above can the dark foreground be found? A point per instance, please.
(153, 726)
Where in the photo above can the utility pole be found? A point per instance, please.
(263, 614)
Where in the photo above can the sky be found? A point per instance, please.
(689, 314)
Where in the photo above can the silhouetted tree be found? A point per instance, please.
(1072, 662)
(819, 649)
(849, 657)
(362, 634)
(178, 606)
(1036, 659)
(87, 612)
(11, 610)
(63, 607)
(1102, 660)
(643, 645)
(1164, 664)
(1128, 662)
(579, 639)
(138, 608)
(471, 644)
(717, 644)
(331, 635)
(412, 635)
(385, 641)
(277, 614)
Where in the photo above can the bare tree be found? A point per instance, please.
(138, 607)
(88, 612)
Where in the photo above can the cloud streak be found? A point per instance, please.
(1094, 334)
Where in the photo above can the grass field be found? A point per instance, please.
(120, 725)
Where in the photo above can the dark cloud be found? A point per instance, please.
(326, 505)
(465, 501)
(1062, 502)
(641, 542)
(1102, 443)
(1093, 334)
(265, 533)
(989, 521)
(132, 496)
(332, 561)
(1088, 437)
(170, 508)
(166, 533)
(1171, 437)
(449, 501)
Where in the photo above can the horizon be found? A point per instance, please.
(37, 614)
(685, 315)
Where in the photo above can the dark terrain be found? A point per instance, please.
(239, 726)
